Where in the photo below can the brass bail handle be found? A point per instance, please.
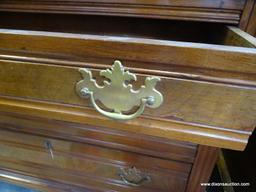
(117, 94)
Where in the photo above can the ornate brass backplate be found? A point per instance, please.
(117, 94)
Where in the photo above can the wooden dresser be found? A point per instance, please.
(135, 95)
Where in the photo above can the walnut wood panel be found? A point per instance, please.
(202, 168)
(153, 146)
(227, 11)
(91, 161)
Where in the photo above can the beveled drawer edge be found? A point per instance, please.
(199, 134)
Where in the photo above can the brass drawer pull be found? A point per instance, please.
(134, 177)
(117, 94)
(49, 148)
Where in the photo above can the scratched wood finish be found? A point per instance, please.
(225, 11)
(91, 161)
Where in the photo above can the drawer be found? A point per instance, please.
(226, 11)
(89, 166)
(105, 137)
(208, 85)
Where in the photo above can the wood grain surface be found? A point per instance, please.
(202, 168)
(248, 19)
(151, 51)
(101, 136)
(88, 161)
(208, 80)
(226, 11)
(205, 135)
(213, 106)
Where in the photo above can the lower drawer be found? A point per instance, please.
(90, 166)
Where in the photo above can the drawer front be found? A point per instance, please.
(215, 83)
(60, 159)
(196, 104)
(187, 101)
(143, 144)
